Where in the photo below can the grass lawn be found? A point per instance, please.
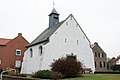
(97, 77)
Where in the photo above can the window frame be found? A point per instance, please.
(19, 51)
(18, 63)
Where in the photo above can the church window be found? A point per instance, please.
(18, 52)
(31, 53)
(76, 25)
(55, 17)
(66, 23)
(77, 42)
(83, 37)
(40, 50)
(65, 40)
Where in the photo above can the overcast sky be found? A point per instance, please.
(100, 19)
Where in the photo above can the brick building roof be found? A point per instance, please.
(4, 41)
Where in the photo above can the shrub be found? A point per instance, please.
(45, 74)
(56, 75)
(115, 67)
(68, 67)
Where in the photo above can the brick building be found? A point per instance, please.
(12, 51)
(100, 58)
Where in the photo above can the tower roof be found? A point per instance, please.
(53, 12)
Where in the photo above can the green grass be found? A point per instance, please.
(97, 77)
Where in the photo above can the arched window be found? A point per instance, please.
(40, 50)
(31, 53)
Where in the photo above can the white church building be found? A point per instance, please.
(58, 40)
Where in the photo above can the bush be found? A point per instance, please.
(56, 75)
(45, 74)
(115, 67)
(68, 67)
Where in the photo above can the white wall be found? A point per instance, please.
(58, 48)
(32, 64)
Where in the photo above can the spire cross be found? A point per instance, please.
(53, 4)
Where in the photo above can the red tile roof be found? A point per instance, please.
(4, 41)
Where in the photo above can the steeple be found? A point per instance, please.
(53, 17)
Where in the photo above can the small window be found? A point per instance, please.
(99, 54)
(65, 40)
(55, 17)
(83, 37)
(17, 63)
(31, 53)
(40, 50)
(77, 42)
(66, 23)
(95, 54)
(18, 52)
(76, 25)
(100, 64)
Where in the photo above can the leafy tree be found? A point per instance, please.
(69, 67)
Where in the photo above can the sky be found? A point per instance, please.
(99, 19)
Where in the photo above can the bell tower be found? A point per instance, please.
(53, 17)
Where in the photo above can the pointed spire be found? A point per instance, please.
(53, 4)
(53, 11)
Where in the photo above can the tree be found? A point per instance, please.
(69, 67)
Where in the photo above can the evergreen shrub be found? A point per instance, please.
(44, 74)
